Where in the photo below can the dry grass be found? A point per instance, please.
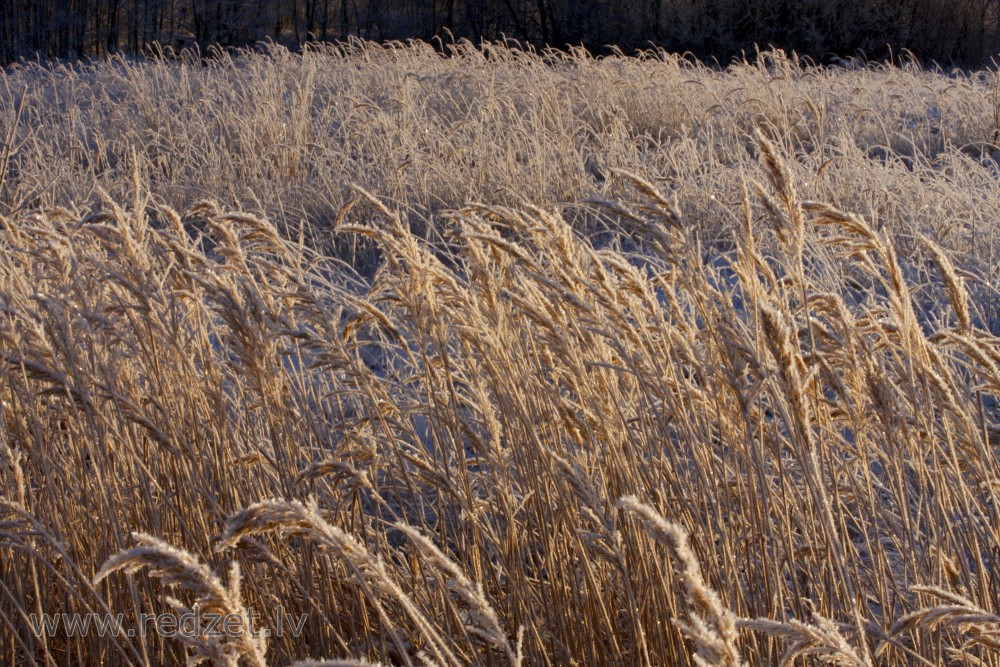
(729, 424)
(286, 136)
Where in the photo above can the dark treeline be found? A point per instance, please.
(963, 32)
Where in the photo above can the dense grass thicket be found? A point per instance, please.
(502, 358)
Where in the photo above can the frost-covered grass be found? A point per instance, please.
(510, 360)
(285, 136)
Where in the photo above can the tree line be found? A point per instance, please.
(962, 32)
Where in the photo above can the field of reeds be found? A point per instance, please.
(500, 358)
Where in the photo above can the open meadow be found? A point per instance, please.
(499, 358)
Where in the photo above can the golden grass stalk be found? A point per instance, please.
(176, 567)
(711, 625)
